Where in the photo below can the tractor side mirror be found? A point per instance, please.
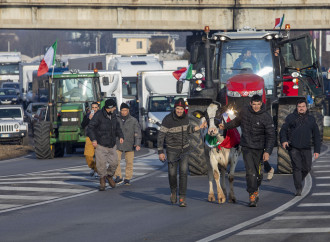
(106, 81)
(179, 86)
(194, 54)
(296, 52)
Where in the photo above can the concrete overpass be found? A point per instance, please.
(162, 14)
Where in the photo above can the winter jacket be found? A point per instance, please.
(132, 133)
(85, 122)
(257, 128)
(174, 130)
(104, 128)
(299, 129)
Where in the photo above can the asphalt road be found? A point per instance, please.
(57, 200)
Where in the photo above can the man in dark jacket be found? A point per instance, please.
(296, 135)
(103, 130)
(174, 129)
(132, 133)
(257, 141)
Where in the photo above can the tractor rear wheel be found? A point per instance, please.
(198, 155)
(283, 158)
(42, 146)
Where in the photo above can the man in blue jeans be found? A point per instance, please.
(175, 129)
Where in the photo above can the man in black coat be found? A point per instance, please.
(257, 141)
(296, 135)
(103, 129)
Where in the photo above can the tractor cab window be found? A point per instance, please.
(299, 54)
(247, 56)
(75, 90)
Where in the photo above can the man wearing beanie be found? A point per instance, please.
(175, 129)
(103, 129)
(132, 133)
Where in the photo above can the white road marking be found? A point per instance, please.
(33, 197)
(49, 182)
(42, 189)
(302, 217)
(314, 205)
(323, 185)
(323, 171)
(321, 166)
(6, 206)
(321, 194)
(323, 177)
(284, 231)
(306, 189)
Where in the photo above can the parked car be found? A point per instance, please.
(39, 116)
(12, 125)
(14, 85)
(8, 96)
(32, 109)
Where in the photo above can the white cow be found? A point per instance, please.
(219, 156)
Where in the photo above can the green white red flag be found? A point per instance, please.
(183, 73)
(279, 22)
(48, 60)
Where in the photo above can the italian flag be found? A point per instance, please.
(279, 22)
(48, 60)
(183, 73)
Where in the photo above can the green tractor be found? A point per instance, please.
(68, 94)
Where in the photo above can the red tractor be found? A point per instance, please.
(231, 67)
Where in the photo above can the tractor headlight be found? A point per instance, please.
(152, 121)
(258, 92)
(233, 94)
(65, 120)
(74, 119)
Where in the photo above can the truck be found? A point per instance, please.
(156, 98)
(9, 66)
(128, 65)
(68, 95)
(218, 79)
(111, 86)
(174, 64)
(13, 129)
(25, 80)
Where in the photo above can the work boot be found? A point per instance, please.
(102, 184)
(270, 174)
(182, 202)
(111, 181)
(173, 197)
(126, 182)
(253, 200)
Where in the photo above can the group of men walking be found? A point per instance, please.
(111, 135)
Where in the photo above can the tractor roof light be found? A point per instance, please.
(207, 29)
(287, 27)
(96, 71)
(269, 37)
(223, 38)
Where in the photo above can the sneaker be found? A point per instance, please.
(182, 202)
(270, 174)
(173, 197)
(253, 200)
(92, 172)
(298, 193)
(96, 175)
(256, 194)
(126, 182)
(118, 180)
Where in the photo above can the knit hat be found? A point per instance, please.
(180, 102)
(124, 105)
(110, 103)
